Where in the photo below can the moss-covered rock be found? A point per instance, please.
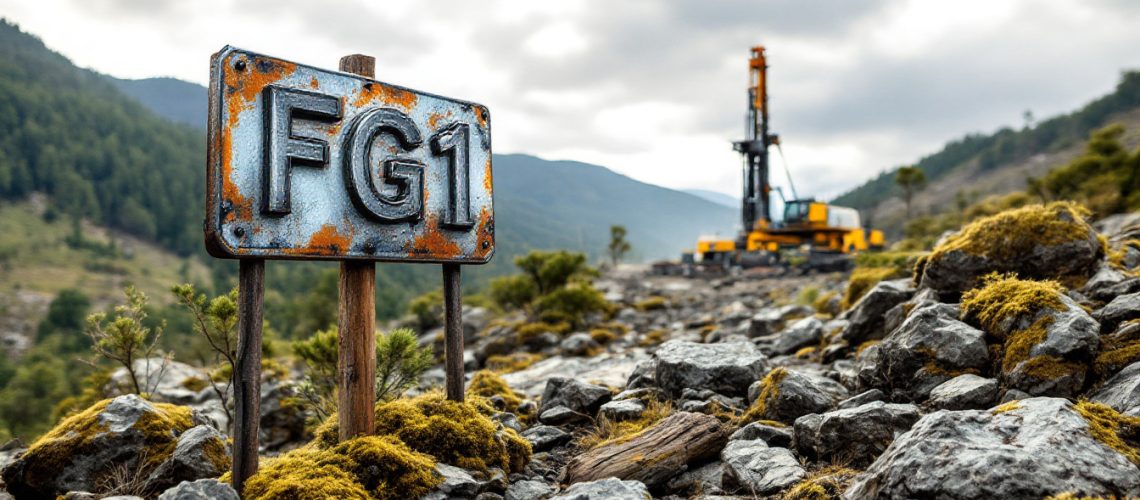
(1045, 341)
(1038, 241)
(487, 384)
(82, 451)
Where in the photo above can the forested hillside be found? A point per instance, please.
(978, 162)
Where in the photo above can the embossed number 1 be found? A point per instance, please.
(453, 142)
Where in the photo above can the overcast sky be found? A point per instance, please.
(656, 89)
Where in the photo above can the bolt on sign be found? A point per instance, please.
(306, 163)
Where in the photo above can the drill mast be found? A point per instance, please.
(754, 147)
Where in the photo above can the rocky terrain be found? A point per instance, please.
(1007, 366)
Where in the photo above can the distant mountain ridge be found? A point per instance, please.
(716, 197)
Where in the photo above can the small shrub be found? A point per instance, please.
(215, 321)
(125, 338)
(574, 301)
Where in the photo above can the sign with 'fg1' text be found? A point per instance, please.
(306, 163)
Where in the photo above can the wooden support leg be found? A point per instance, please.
(356, 377)
(453, 342)
(247, 373)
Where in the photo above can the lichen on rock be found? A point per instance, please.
(1045, 340)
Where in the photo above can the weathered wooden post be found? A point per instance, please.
(356, 321)
(305, 163)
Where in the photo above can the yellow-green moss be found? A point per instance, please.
(1006, 407)
(863, 347)
(610, 432)
(305, 474)
(508, 363)
(651, 304)
(487, 384)
(862, 280)
(194, 384)
(1119, 432)
(652, 338)
(1013, 234)
(822, 303)
(460, 434)
(602, 336)
(1020, 342)
(529, 331)
(388, 468)
(705, 331)
(824, 484)
(76, 435)
(1113, 360)
(1069, 495)
(1004, 298)
(806, 352)
(769, 390)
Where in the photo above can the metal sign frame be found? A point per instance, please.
(307, 163)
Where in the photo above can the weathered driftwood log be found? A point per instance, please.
(655, 455)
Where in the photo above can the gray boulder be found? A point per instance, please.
(795, 394)
(577, 396)
(1041, 447)
(1071, 342)
(776, 437)
(799, 334)
(545, 437)
(1122, 391)
(201, 452)
(457, 482)
(202, 489)
(770, 321)
(706, 480)
(625, 409)
(528, 490)
(1104, 279)
(726, 368)
(861, 399)
(561, 415)
(754, 468)
(958, 263)
(964, 392)
(88, 446)
(867, 318)
(605, 489)
(929, 348)
(579, 344)
(1121, 309)
(857, 435)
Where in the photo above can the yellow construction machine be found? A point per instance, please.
(812, 234)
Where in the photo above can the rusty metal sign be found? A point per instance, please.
(306, 163)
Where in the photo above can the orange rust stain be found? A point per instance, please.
(485, 242)
(242, 88)
(481, 116)
(243, 207)
(488, 183)
(386, 94)
(434, 118)
(314, 84)
(432, 243)
(326, 241)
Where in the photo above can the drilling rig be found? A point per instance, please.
(811, 235)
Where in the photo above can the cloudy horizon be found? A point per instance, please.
(656, 90)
